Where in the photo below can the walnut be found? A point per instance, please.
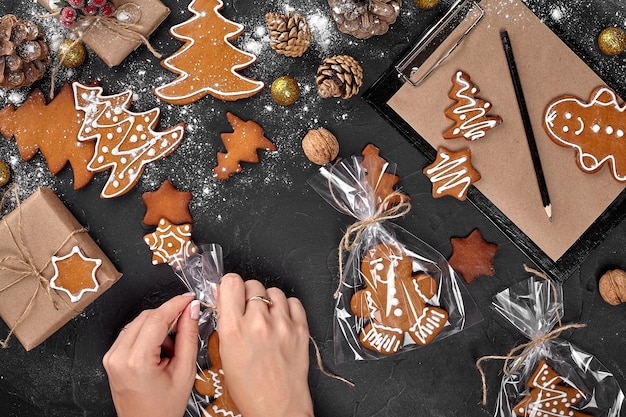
(612, 286)
(320, 146)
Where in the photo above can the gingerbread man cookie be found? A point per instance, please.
(395, 300)
(595, 130)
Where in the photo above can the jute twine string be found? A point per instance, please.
(320, 365)
(354, 232)
(126, 31)
(25, 267)
(520, 352)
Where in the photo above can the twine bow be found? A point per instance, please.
(524, 349)
(354, 232)
(25, 266)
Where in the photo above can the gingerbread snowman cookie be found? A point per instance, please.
(395, 301)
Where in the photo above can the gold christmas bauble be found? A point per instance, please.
(426, 4)
(612, 41)
(285, 90)
(72, 53)
(5, 173)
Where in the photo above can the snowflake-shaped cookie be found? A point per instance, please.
(171, 243)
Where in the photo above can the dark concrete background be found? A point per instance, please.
(275, 228)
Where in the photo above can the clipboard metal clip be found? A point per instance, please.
(434, 37)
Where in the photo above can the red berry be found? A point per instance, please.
(107, 10)
(68, 14)
(90, 10)
(77, 4)
(98, 3)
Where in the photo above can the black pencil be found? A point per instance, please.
(530, 137)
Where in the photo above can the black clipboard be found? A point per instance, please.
(383, 89)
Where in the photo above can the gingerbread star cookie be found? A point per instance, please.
(167, 202)
(452, 173)
(75, 274)
(472, 256)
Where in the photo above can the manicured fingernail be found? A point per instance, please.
(189, 294)
(195, 309)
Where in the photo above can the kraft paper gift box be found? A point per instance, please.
(36, 230)
(113, 44)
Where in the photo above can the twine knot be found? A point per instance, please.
(354, 232)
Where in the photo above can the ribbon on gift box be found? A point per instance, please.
(25, 266)
(123, 24)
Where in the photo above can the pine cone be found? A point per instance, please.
(339, 76)
(24, 52)
(364, 18)
(289, 35)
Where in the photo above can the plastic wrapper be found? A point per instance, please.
(201, 274)
(396, 293)
(548, 376)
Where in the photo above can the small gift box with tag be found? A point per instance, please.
(50, 268)
(114, 37)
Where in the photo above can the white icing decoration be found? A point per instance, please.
(127, 164)
(255, 86)
(550, 396)
(76, 251)
(449, 174)
(476, 125)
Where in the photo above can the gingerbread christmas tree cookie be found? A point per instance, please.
(549, 396)
(381, 181)
(167, 202)
(469, 113)
(75, 274)
(52, 129)
(241, 146)
(207, 63)
(125, 141)
(452, 173)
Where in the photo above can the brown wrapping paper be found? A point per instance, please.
(39, 228)
(547, 70)
(114, 47)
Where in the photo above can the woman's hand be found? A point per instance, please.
(264, 349)
(149, 373)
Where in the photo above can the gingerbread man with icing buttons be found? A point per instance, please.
(395, 301)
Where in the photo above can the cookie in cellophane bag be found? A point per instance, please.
(201, 274)
(395, 292)
(548, 376)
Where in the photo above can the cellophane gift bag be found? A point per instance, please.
(395, 292)
(548, 376)
(201, 274)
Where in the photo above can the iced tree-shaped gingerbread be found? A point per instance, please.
(548, 396)
(207, 63)
(469, 113)
(125, 141)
